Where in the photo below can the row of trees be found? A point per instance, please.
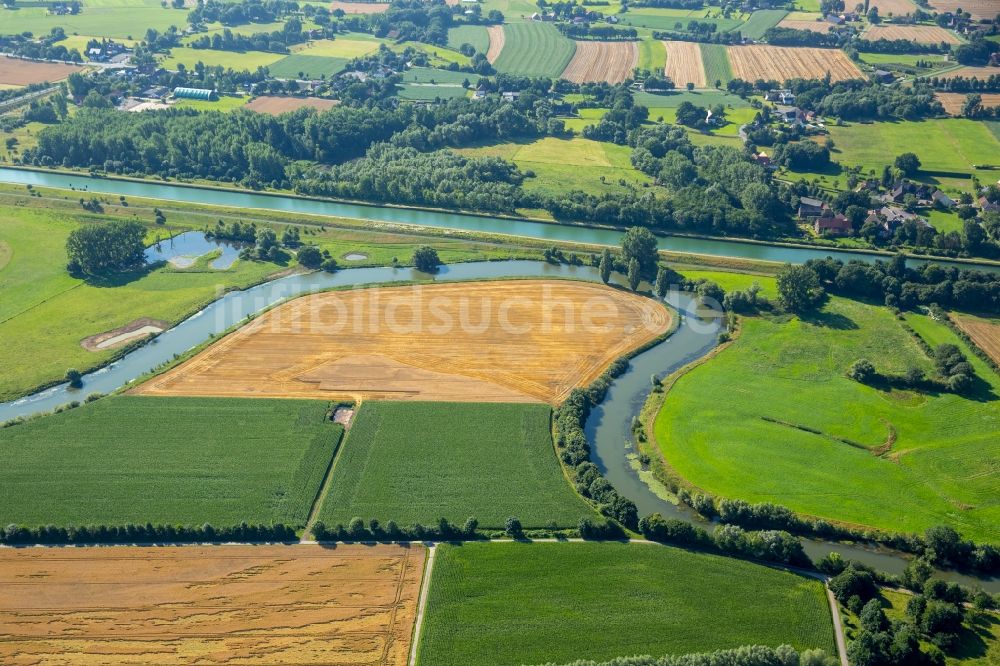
(14, 535)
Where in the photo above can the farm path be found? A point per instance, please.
(838, 627)
(422, 603)
(324, 488)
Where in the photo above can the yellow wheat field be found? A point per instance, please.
(612, 62)
(684, 64)
(780, 63)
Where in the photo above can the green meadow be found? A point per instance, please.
(761, 21)
(475, 35)
(431, 92)
(716, 62)
(773, 418)
(534, 49)
(108, 18)
(652, 55)
(309, 66)
(504, 604)
(245, 60)
(420, 461)
(180, 461)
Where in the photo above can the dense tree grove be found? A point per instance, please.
(770, 545)
(106, 247)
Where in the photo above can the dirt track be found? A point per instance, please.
(503, 341)
(17, 72)
(214, 604)
(611, 62)
(779, 63)
(496, 42)
(684, 64)
(924, 34)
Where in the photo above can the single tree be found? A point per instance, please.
(639, 243)
(310, 257)
(633, 274)
(798, 288)
(425, 258)
(606, 265)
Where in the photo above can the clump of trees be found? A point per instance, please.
(106, 247)
(954, 373)
(799, 289)
(374, 530)
(426, 259)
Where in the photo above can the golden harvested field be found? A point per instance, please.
(985, 333)
(924, 34)
(504, 341)
(17, 72)
(277, 104)
(359, 7)
(612, 62)
(970, 72)
(496, 42)
(684, 64)
(798, 24)
(980, 9)
(953, 102)
(894, 7)
(209, 604)
(780, 63)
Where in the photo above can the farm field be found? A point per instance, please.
(436, 76)
(225, 103)
(497, 40)
(713, 433)
(984, 332)
(684, 64)
(534, 49)
(668, 19)
(338, 48)
(805, 24)
(505, 604)
(430, 92)
(247, 604)
(419, 343)
(706, 98)
(717, 66)
(17, 72)
(310, 66)
(415, 462)
(924, 34)
(949, 146)
(761, 21)
(475, 35)
(128, 459)
(246, 60)
(970, 72)
(953, 102)
(358, 7)
(780, 63)
(980, 9)
(611, 62)
(652, 55)
(109, 18)
(894, 7)
(898, 58)
(277, 104)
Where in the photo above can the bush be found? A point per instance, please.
(425, 258)
(311, 257)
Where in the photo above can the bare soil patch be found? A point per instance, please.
(17, 72)
(798, 24)
(121, 336)
(684, 64)
(278, 104)
(611, 62)
(986, 334)
(980, 73)
(923, 34)
(216, 604)
(894, 7)
(503, 341)
(496, 42)
(360, 7)
(780, 63)
(953, 102)
(980, 9)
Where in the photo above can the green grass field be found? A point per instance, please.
(432, 75)
(179, 461)
(657, 18)
(339, 48)
(939, 469)
(225, 103)
(945, 145)
(652, 55)
(429, 92)
(706, 98)
(716, 62)
(246, 60)
(761, 21)
(310, 66)
(505, 604)
(420, 461)
(534, 49)
(897, 58)
(476, 35)
(107, 18)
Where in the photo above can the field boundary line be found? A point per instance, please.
(418, 622)
(324, 487)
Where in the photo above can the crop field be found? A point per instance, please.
(17, 72)
(420, 461)
(717, 67)
(953, 102)
(533, 49)
(800, 24)
(436, 76)
(309, 66)
(924, 34)
(611, 62)
(507, 341)
(495, 33)
(275, 104)
(984, 332)
(684, 64)
(223, 604)
(779, 63)
(894, 7)
(475, 35)
(774, 418)
(109, 18)
(504, 604)
(980, 9)
(761, 21)
(129, 459)
(359, 7)
(652, 55)
(339, 48)
(239, 61)
(706, 98)
(981, 73)
(422, 91)
(657, 18)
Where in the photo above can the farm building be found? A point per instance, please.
(195, 93)
(833, 224)
(810, 207)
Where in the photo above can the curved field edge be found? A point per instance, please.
(815, 442)
(568, 601)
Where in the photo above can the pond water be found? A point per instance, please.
(184, 249)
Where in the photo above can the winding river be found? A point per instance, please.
(608, 427)
(428, 218)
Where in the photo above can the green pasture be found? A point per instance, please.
(309, 66)
(180, 461)
(339, 48)
(705, 98)
(475, 35)
(716, 62)
(439, 76)
(420, 461)
(586, 117)
(898, 58)
(534, 49)
(761, 21)
(505, 604)
(439, 55)
(117, 18)
(773, 418)
(225, 103)
(239, 61)
(652, 55)
(431, 92)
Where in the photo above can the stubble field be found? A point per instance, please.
(923, 34)
(778, 63)
(953, 102)
(684, 64)
(496, 36)
(221, 604)
(276, 105)
(980, 9)
(984, 332)
(612, 62)
(506, 341)
(18, 72)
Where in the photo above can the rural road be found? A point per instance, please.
(424, 587)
